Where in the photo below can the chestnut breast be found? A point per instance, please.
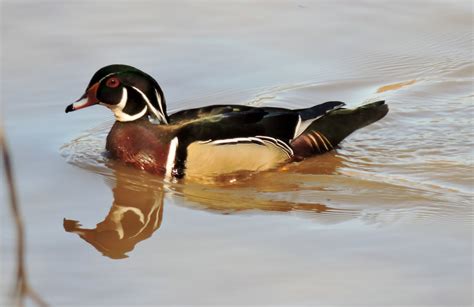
(139, 144)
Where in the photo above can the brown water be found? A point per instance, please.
(385, 220)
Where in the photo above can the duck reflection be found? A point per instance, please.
(136, 212)
(285, 189)
(137, 208)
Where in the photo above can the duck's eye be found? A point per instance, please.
(113, 82)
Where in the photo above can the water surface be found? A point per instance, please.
(384, 220)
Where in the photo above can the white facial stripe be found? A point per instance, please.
(124, 117)
(171, 157)
(105, 77)
(160, 103)
(158, 114)
(117, 109)
(123, 100)
(147, 101)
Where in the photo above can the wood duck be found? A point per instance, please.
(217, 139)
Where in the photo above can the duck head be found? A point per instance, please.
(127, 91)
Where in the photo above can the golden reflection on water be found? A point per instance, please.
(138, 201)
(395, 86)
(259, 191)
(136, 212)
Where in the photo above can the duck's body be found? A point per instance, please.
(213, 140)
(157, 149)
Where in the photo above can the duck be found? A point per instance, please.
(217, 139)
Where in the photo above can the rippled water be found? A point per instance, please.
(385, 219)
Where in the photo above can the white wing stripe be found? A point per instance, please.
(302, 125)
(297, 128)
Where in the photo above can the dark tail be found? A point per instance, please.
(326, 132)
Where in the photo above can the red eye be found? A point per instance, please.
(113, 82)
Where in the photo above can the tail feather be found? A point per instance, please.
(319, 110)
(328, 131)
